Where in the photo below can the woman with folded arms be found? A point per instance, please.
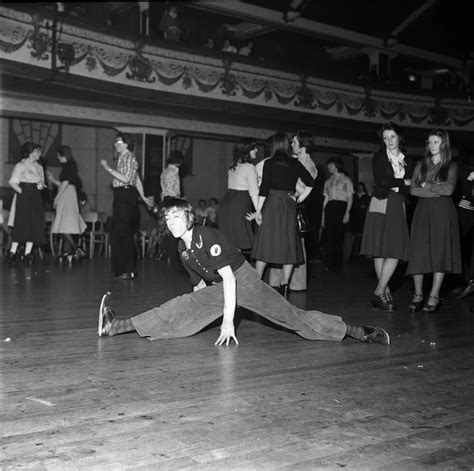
(434, 239)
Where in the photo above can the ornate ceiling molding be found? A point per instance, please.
(25, 39)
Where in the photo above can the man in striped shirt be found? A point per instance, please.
(126, 182)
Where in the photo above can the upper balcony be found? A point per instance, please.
(163, 77)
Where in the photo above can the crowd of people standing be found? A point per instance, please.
(258, 213)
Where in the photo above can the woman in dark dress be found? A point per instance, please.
(29, 225)
(434, 237)
(277, 240)
(385, 235)
(360, 205)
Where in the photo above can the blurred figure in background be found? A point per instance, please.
(170, 188)
(212, 210)
(338, 196)
(360, 205)
(466, 222)
(170, 25)
(67, 220)
(84, 204)
(201, 212)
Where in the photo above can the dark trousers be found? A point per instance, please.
(333, 237)
(171, 247)
(124, 225)
(466, 229)
(169, 244)
(188, 314)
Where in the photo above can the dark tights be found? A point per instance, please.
(69, 245)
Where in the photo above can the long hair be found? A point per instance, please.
(280, 144)
(69, 170)
(390, 126)
(65, 151)
(241, 153)
(444, 152)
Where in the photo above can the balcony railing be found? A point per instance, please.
(26, 39)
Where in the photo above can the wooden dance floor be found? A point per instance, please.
(74, 401)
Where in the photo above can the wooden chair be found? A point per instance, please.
(95, 234)
(145, 244)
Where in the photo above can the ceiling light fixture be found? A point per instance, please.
(294, 11)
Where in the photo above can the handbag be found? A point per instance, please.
(378, 205)
(302, 222)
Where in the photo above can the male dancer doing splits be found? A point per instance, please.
(209, 257)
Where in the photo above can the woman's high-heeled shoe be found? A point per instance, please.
(432, 307)
(390, 300)
(79, 254)
(380, 301)
(10, 258)
(416, 303)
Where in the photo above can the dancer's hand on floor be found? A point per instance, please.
(227, 333)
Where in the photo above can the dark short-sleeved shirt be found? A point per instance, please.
(210, 251)
(281, 172)
(69, 173)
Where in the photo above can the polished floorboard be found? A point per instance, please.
(71, 400)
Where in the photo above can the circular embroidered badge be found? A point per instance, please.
(216, 250)
(185, 255)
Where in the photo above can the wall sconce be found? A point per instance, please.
(65, 55)
(59, 50)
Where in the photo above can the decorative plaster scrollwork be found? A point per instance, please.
(305, 96)
(140, 66)
(40, 42)
(108, 58)
(13, 40)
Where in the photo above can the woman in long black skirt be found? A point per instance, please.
(434, 240)
(277, 240)
(241, 196)
(29, 225)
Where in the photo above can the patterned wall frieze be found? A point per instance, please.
(25, 39)
(25, 105)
